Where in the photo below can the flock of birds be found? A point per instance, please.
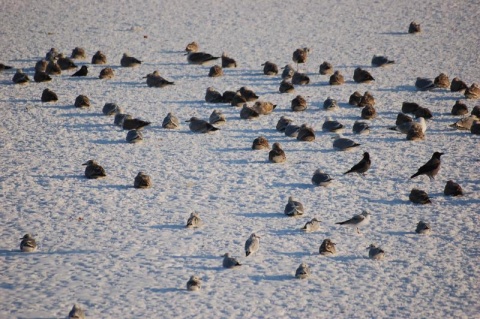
(56, 62)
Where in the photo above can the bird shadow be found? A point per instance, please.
(396, 33)
(261, 215)
(398, 233)
(271, 277)
(398, 88)
(164, 290)
(60, 177)
(168, 226)
(118, 187)
(293, 185)
(107, 142)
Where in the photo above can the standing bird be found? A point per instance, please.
(129, 61)
(362, 166)
(311, 226)
(142, 180)
(357, 220)
(20, 78)
(194, 221)
(194, 283)
(300, 56)
(270, 68)
(252, 244)
(82, 72)
(362, 76)
(320, 178)
(293, 208)
(430, 168)
(228, 62)
(379, 61)
(230, 262)
(303, 271)
(200, 57)
(375, 253)
(93, 170)
(327, 248)
(99, 58)
(155, 80)
(277, 155)
(200, 126)
(423, 228)
(28, 244)
(76, 313)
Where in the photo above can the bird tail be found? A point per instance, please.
(247, 253)
(340, 223)
(347, 172)
(414, 175)
(393, 128)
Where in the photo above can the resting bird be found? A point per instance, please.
(155, 80)
(277, 155)
(293, 207)
(76, 313)
(417, 196)
(129, 61)
(375, 253)
(303, 271)
(270, 68)
(93, 170)
(362, 76)
(28, 244)
(430, 168)
(327, 247)
(194, 221)
(252, 244)
(381, 61)
(142, 180)
(362, 166)
(230, 262)
(194, 283)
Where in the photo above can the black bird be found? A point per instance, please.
(93, 170)
(40, 76)
(414, 27)
(82, 72)
(453, 189)
(248, 94)
(134, 124)
(213, 96)
(5, 67)
(381, 61)
(362, 76)
(49, 96)
(20, 78)
(431, 168)
(362, 166)
(457, 85)
(82, 101)
(129, 61)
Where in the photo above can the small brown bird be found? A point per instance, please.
(423, 228)
(156, 80)
(277, 155)
(215, 71)
(93, 170)
(65, 63)
(355, 98)
(213, 96)
(418, 196)
(129, 61)
(327, 248)
(41, 66)
(82, 101)
(306, 134)
(111, 109)
(369, 112)
(192, 47)
(361, 167)
(270, 68)
(78, 53)
(442, 81)
(367, 100)
(53, 68)
(170, 122)
(82, 72)
(142, 180)
(325, 68)
(260, 143)
(99, 58)
(336, 78)
(286, 87)
(217, 117)
(453, 189)
(49, 96)
(28, 244)
(415, 133)
(298, 104)
(414, 27)
(300, 78)
(248, 113)
(263, 108)
(248, 94)
(106, 73)
(430, 168)
(300, 56)
(423, 112)
(228, 62)
(403, 118)
(288, 72)
(473, 92)
(409, 107)
(380, 61)
(458, 85)
(459, 108)
(238, 100)
(134, 124)
(362, 76)
(282, 123)
(40, 76)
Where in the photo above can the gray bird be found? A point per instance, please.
(129, 61)
(311, 226)
(282, 123)
(78, 53)
(473, 92)
(453, 189)
(379, 61)
(65, 63)
(415, 133)
(291, 130)
(423, 112)
(442, 81)
(465, 123)
(417, 196)
(41, 77)
(155, 80)
(248, 94)
(277, 155)
(414, 27)
(306, 133)
(230, 262)
(76, 312)
(424, 84)
(213, 96)
(300, 79)
(325, 68)
(330, 104)
(94, 170)
(361, 167)
(134, 136)
(49, 96)
(286, 87)
(459, 108)
(53, 68)
(457, 85)
(192, 47)
(403, 118)
(99, 58)
(52, 54)
(252, 244)
(368, 112)
(28, 244)
(134, 124)
(321, 178)
(228, 62)
(82, 101)
(362, 76)
(333, 126)
(270, 68)
(407, 125)
(248, 113)
(260, 143)
(20, 78)
(200, 126)
(303, 271)
(288, 72)
(82, 72)
(423, 228)
(120, 117)
(375, 253)
(200, 57)
(263, 108)
(327, 248)
(215, 71)
(343, 144)
(106, 73)
(217, 117)
(142, 180)
(293, 208)
(367, 100)
(194, 283)
(361, 128)
(111, 109)
(430, 168)
(170, 121)
(300, 56)
(194, 221)
(357, 220)
(355, 98)
(298, 104)
(41, 66)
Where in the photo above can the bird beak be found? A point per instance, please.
(186, 53)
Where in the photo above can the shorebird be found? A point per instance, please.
(49, 96)
(357, 220)
(248, 113)
(170, 121)
(367, 100)
(78, 53)
(230, 262)
(76, 313)
(156, 80)
(375, 253)
(134, 124)
(129, 61)
(442, 81)
(459, 108)
(360, 128)
(457, 85)
(20, 78)
(362, 76)
(306, 133)
(197, 125)
(368, 112)
(194, 283)
(277, 155)
(134, 136)
(380, 61)
(94, 170)
(200, 57)
(82, 72)
(228, 62)
(142, 180)
(343, 144)
(293, 207)
(217, 117)
(300, 78)
(424, 84)
(311, 226)
(423, 228)
(330, 104)
(194, 221)
(298, 104)
(282, 123)
(327, 248)
(417, 196)
(215, 71)
(473, 92)
(325, 68)
(192, 47)
(286, 87)
(320, 178)
(260, 143)
(300, 56)
(252, 244)
(82, 101)
(288, 72)
(111, 109)
(5, 67)
(270, 68)
(330, 125)
(106, 73)
(355, 98)
(99, 58)
(65, 63)
(53, 68)
(303, 271)
(414, 27)
(263, 108)
(213, 96)
(452, 189)
(28, 244)
(248, 94)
